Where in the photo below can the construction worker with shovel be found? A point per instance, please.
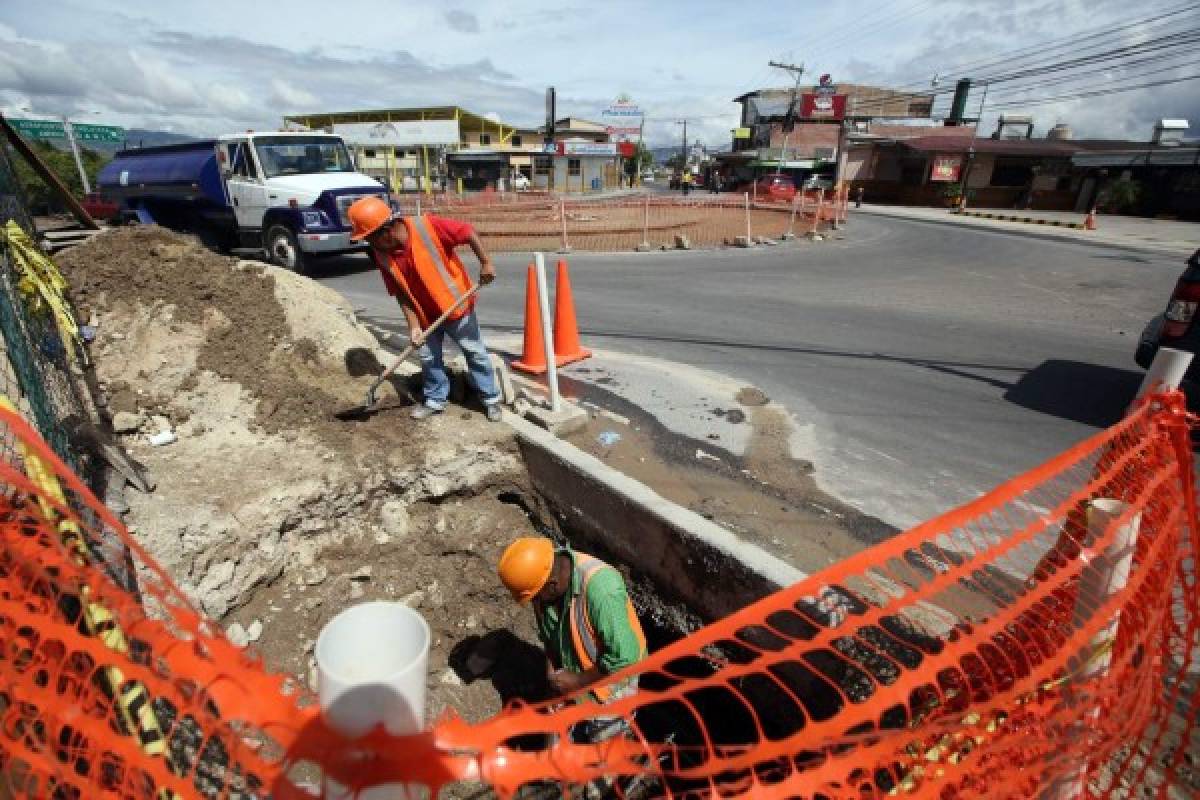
(585, 621)
(415, 255)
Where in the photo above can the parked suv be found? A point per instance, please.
(1175, 327)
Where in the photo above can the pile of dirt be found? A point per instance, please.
(239, 304)
(267, 509)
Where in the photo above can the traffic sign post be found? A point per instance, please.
(67, 126)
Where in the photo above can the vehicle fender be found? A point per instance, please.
(283, 215)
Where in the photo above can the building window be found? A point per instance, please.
(543, 164)
(485, 138)
(516, 141)
(1010, 174)
(574, 166)
(369, 153)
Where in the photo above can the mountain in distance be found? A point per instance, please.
(136, 137)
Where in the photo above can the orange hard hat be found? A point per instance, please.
(367, 215)
(525, 566)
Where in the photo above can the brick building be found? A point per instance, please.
(810, 145)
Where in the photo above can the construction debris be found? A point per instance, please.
(265, 502)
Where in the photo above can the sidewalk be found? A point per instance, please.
(1169, 237)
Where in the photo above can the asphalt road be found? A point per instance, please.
(925, 363)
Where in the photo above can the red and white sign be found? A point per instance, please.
(946, 169)
(626, 131)
(823, 106)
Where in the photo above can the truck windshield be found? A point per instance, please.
(301, 155)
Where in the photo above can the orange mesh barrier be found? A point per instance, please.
(518, 222)
(1023, 645)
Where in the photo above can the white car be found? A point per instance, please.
(647, 177)
(520, 183)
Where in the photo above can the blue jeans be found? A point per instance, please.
(465, 333)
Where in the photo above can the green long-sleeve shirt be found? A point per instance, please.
(616, 641)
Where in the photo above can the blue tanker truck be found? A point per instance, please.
(285, 192)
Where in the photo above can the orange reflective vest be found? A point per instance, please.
(583, 634)
(443, 277)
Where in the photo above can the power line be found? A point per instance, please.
(1052, 45)
(1048, 48)
(1097, 93)
(1156, 51)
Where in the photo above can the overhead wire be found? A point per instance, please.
(1154, 52)
(1047, 49)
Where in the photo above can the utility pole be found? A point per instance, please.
(683, 151)
(966, 172)
(790, 120)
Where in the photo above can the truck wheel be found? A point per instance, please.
(282, 249)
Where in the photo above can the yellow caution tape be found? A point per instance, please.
(132, 699)
(42, 285)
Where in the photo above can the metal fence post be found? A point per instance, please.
(562, 213)
(791, 234)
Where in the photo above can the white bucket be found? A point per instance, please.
(371, 670)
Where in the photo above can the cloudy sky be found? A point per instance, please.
(205, 68)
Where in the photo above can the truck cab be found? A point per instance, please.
(288, 193)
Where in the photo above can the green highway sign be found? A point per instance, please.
(39, 128)
(97, 133)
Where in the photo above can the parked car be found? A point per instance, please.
(1176, 327)
(520, 183)
(100, 207)
(647, 177)
(774, 187)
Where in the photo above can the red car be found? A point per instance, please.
(99, 206)
(777, 188)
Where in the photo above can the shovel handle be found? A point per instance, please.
(437, 323)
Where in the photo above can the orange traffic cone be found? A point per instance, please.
(567, 348)
(1089, 222)
(533, 357)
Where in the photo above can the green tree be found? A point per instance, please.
(41, 198)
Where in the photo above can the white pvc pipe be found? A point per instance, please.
(1096, 586)
(1166, 371)
(371, 670)
(646, 223)
(746, 200)
(547, 335)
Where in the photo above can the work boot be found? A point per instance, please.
(494, 412)
(424, 412)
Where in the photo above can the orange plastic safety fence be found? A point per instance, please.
(1040, 641)
(523, 222)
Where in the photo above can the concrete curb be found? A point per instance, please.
(1079, 226)
(710, 569)
(1036, 232)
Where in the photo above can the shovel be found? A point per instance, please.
(368, 405)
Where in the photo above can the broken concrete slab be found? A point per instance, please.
(567, 420)
(508, 393)
(126, 422)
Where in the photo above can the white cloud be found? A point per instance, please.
(226, 64)
(292, 97)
